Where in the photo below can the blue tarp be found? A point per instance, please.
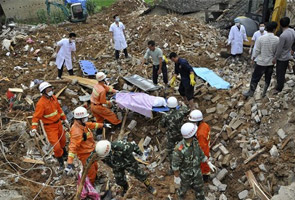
(83, 2)
(213, 79)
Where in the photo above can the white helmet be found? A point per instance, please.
(100, 76)
(188, 130)
(43, 86)
(196, 116)
(103, 148)
(172, 102)
(80, 113)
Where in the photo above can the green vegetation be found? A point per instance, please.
(55, 17)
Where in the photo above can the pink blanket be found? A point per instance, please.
(88, 190)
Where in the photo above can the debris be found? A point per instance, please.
(243, 194)
(253, 183)
(132, 125)
(254, 155)
(221, 175)
(281, 134)
(223, 150)
(89, 83)
(274, 151)
(147, 140)
(29, 160)
(18, 90)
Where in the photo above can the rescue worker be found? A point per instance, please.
(159, 62)
(119, 156)
(82, 141)
(65, 52)
(187, 157)
(49, 111)
(117, 30)
(172, 121)
(99, 105)
(236, 37)
(187, 83)
(203, 136)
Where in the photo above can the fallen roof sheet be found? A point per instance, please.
(142, 83)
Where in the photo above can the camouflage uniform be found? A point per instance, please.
(187, 160)
(121, 159)
(173, 121)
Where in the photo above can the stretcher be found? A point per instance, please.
(87, 67)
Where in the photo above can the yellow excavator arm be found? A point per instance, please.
(279, 11)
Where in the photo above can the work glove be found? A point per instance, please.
(69, 169)
(84, 137)
(33, 132)
(67, 123)
(250, 51)
(172, 82)
(212, 167)
(177, 180)
(107, 125)
(192, 78)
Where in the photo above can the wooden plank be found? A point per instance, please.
(286, 141)
(15, 90)
(58, 81)
(121, 134)
(29, 160)
(61, 91)
(257, 190)
(141, 161)
(254, 155)
(89, 83)
(140, 144)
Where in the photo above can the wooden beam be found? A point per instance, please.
(286, 141)
(29, 160)
(61, 91)
(254, 155)
(257, 190)
(15, 90)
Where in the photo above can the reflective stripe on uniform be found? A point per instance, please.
(72, 154)
(95, 92)
(96, 126)
(88, 133)
(35, 124)
(51, 114)
(110, 89)
(62, 114)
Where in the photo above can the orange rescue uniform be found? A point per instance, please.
(203, 136)
(82, 149)
(49, 111)
(99, 104)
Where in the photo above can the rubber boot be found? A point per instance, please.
(65, 154)
(61, 164)
(250, 92)
(149, 187)
(125, 188)
(265, 90)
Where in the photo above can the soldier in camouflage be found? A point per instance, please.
(120, 158)
(186, 161)
(172, 122)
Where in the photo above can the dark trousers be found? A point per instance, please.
(164, 72)
(281, 69)
(258, 73)
(59, 74)
(117, 53)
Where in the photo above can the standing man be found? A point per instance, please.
(82, 142)
(187, 83)
(49, 111)
(172, 122)
(255, 37)
(236, 37)
(187, 157)
(203, 136)
(119, 156)
(159, 63)
(117, 30)
(65, 52)
(283, 53)
(264, 54)
(99, 104)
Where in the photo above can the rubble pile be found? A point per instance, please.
(246, 134)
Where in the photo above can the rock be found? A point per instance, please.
(221, 108)
(254, 108)
(222, 197)
(261, 177)
(243, 194)
(19, 127)
(222, 187)
(223, 150)
(257, 119)
(216, 182)
(233, 114)
(132, 125)
(147, 141)
(264, 112)
(211, 110)
(285, 193)
(221, 175)
(281, 134)
(262, 167)
(213, 188)
(274, 151)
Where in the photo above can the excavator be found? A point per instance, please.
(75, 13)
(262, 11)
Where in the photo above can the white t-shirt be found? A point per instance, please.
(255, 37)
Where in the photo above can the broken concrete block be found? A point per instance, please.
(281, 134)
(226, 160)
(216, 182)
(125, 86)
(216, 147)
(147, 141)
(257, 119)
(264, 112)
(213, 188)
(222, 197)
(132, 124)
(248, 108)
(19, 127)
(236, 124)
(222, 187)
(215, 99)
(254, 108)
(211, 110)
(74, 101)
(233, 114)
(221, 175)
(221, 108)
(223, 150)
(262, 167)
(274, 151)
(243, 194)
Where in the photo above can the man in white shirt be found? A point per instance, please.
(65, 52)
(264, 54)
(118, 37)
(236, 37)
(255, 37)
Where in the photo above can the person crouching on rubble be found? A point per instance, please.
(99, 104)
(82, 141)
(119, 156)
(49, 111)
